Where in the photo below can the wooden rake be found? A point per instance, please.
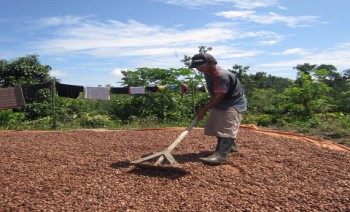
(165, 154)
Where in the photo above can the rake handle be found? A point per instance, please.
(182, 135)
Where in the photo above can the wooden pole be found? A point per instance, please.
(53, 91)
(193, 98)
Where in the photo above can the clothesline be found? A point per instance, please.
(73, 91)
(13, 97)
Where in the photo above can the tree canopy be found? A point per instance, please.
(23, 71)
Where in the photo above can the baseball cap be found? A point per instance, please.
(200, 59)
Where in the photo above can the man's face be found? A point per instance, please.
(205, 68)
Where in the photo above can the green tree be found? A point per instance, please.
(328, 75)
(164, 105)
(346, 75)
(342, 99)
(305, 68)
(239, 70)
(262, 101)
(242, 74)
(261, 80)
(154, 76)
(25, 71)
(304, 101)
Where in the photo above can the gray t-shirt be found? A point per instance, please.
(224, 81)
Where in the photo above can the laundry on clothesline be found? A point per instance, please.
(151, 88)
(171, 87)
(119, 90)
(70, 91)
(137, 90)
(30, 91)
(97, 93)
(12, 98)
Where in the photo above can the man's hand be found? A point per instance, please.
(215, 99)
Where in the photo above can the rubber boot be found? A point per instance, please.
(214, 155)
(234, 146)
(220, 155)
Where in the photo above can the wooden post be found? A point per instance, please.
(53, 91)
(193, 98)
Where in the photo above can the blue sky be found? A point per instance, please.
(88, 42)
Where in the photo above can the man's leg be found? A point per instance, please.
(235, 121)
(220, 155)
(224, 125)
(234, 146)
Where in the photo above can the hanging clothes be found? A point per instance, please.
(70, 91)
(119, 90)
(161, 87)
(172, 87)
(137, 90)
(97, 93)
(12, 98)
(30, 91)
(151, 89)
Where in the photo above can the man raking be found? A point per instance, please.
(226, 104)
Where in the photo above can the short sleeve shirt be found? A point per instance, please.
(226, 82)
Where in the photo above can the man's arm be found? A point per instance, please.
(213, 100)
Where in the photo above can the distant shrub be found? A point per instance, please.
(259, 119)
(10, 117)
(95, 121)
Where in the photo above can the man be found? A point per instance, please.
(226, 104)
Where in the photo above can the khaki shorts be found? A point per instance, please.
(223, 123)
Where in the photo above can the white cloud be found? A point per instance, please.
(243, 14)
(117, 72)
(57, 73)
(267, 42)
(228, 53)
(116, 39)
(270, 18)
(337, 56)
(243, 4)
(250, 4)
(295, 51)
(264, 38)
(56, 21)
(281, 7)
(132, 34)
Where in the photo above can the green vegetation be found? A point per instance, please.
(317, 103)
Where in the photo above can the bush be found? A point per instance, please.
(9, 117)
(39, 124)
(95, 121)
(335, 125)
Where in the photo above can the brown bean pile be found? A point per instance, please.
(90, 171)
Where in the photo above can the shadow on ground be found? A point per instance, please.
(164, 170)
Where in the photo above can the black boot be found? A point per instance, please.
(234, 146)
(220, 155)
(214, 155)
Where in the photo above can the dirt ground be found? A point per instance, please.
(89, 170)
